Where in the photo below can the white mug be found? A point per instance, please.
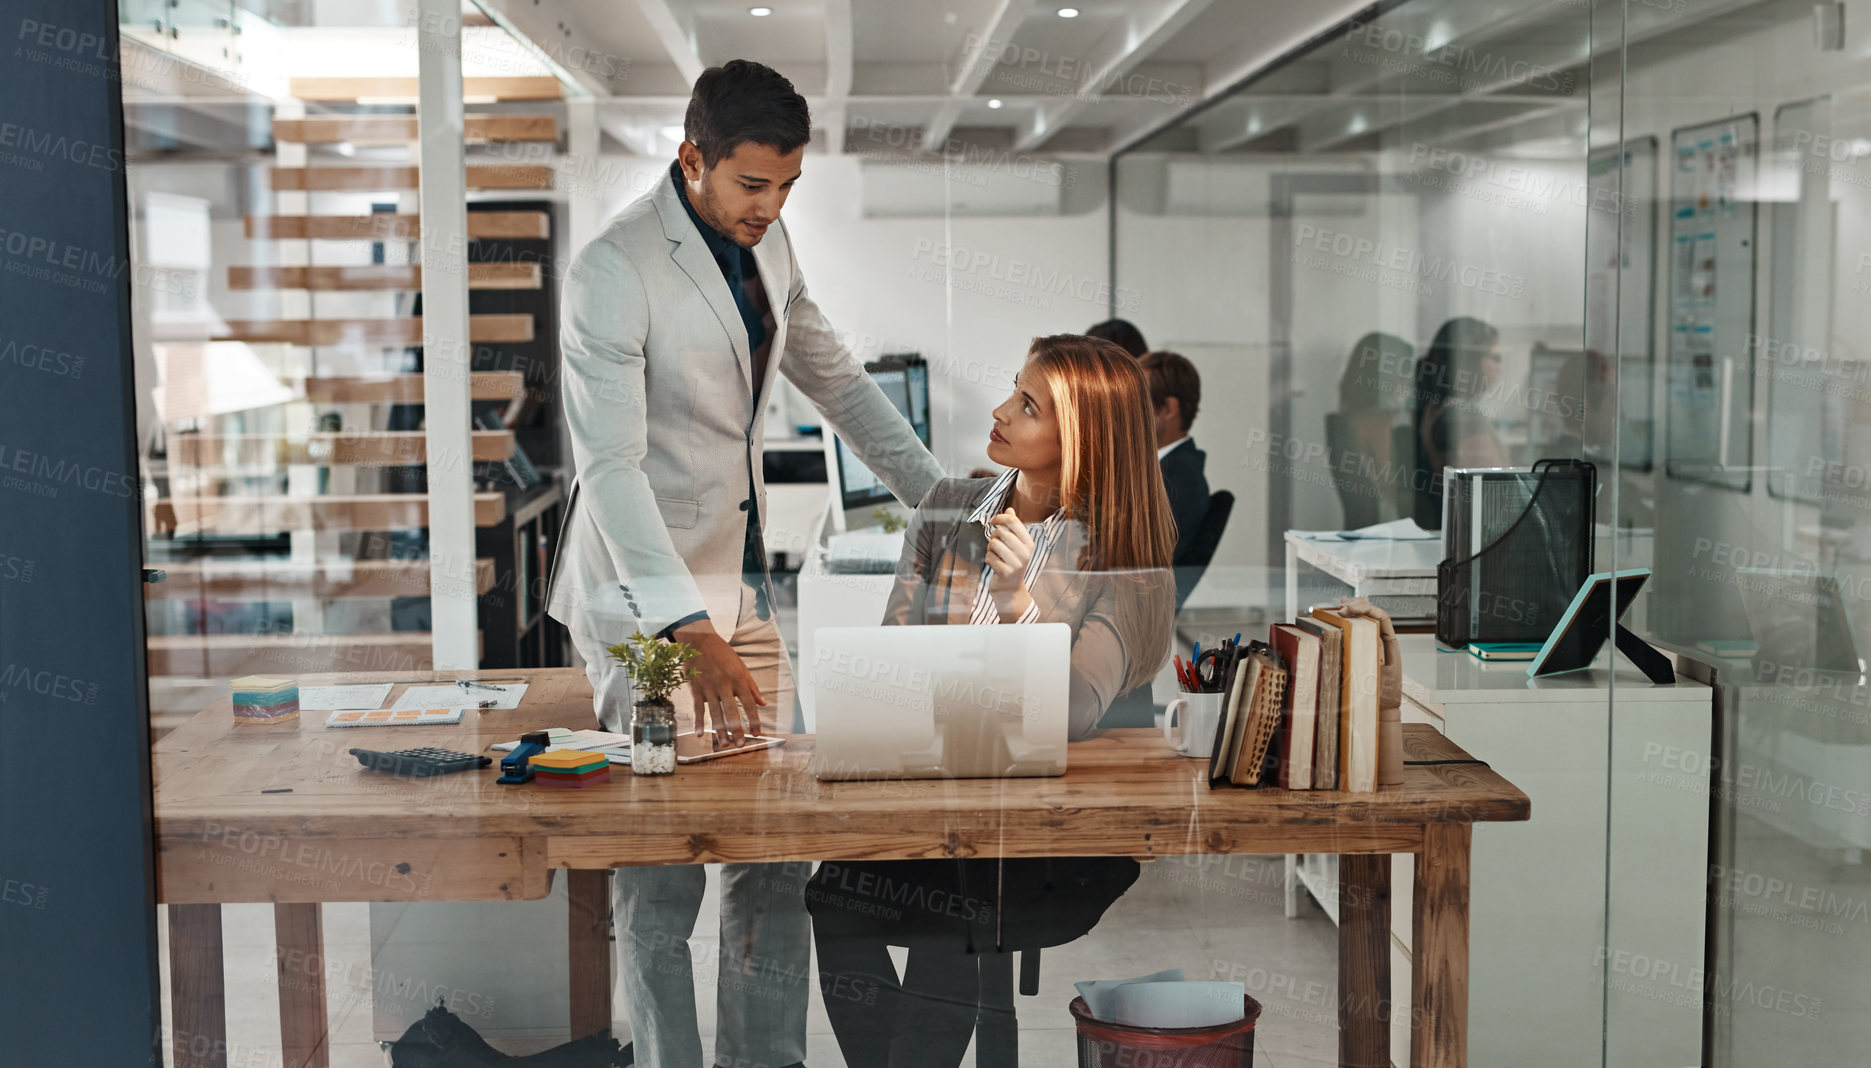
(1189, 723)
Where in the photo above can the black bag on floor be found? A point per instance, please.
(441, 1040)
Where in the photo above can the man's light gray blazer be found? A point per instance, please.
(666, 423)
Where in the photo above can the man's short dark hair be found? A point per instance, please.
(743, 101)
(1172, 375)
(1127, 337)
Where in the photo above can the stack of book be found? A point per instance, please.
(265, 698)
(570, 767)
(1300, 711)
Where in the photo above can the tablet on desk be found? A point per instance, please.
(695, 747)
(1588, 621)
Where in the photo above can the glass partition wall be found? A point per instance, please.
(303, 519)
(1447, 234)
(348, 403)
(1466, 234)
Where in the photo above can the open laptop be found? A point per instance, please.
(941, 702)
(1799, 618)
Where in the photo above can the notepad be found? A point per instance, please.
(566, 738)
(453, 696)
(341, 698)
(393, 717)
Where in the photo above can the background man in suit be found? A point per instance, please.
(1175, 394)
(1123, 334)
(677, 316)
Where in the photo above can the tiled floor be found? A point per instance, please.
(1212, 917)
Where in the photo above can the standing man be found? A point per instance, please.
(676, 317)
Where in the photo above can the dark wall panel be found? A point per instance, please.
(77, 919)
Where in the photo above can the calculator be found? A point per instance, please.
(420, 763)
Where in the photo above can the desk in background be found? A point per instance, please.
(829, 598)
(462, 837)
(1398, 576)
(1616, 818)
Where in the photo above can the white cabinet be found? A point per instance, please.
(1612, 827)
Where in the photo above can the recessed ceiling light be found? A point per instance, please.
(994, 103)
(760, 12)
(1068, 12)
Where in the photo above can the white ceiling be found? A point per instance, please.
(885, 77)
(1093, 83)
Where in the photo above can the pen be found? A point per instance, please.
(469, 684)
(1237, 638)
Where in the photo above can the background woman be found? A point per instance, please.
(1452, 429)
(1077, 532)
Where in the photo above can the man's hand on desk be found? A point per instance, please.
(722, 691)
(1390, 680)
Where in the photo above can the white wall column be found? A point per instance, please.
(446, 351)
(584, 206)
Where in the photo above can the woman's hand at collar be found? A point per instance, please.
(1009, 551)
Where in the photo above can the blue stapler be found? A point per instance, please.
(516, 767)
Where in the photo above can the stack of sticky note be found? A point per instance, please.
(571, 767)
(265, 697)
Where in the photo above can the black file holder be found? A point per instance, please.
(1535, 532)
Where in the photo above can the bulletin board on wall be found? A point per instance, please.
(1816, 356)
(1620, 295)
(1709, 365)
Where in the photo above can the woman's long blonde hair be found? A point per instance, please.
(1109, 480)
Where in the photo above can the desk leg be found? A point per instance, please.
(1439, 977)
(588, 893)
(304, 1037)
(1364, 960)
(197, 987)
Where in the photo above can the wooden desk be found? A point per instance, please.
(344, 834)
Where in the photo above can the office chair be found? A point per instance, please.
(997, 1027)
(1136, 708)
(1403, 462)
(1189, 570)
(1358, 493)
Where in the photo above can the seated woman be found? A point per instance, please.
(1453, 380)
(1078, 531)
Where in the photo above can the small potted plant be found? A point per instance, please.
(657, 668)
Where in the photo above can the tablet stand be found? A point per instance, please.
(1653, 664)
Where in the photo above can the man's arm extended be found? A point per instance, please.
(605, 323)
(852, 402)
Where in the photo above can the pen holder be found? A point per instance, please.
(653, 737)
(1190, 721)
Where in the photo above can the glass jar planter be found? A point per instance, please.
(653, 737)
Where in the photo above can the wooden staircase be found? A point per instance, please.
(405, 277)
(389, 226)
(343, 447)
(403, 332)
(251, 481)
(276, 578)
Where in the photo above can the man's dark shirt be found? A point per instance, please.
(742, 275)
(737, 267)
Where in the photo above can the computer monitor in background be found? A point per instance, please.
(905, 380)
(916, 379)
